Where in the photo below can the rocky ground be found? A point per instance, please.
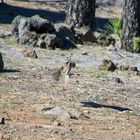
(95, 105)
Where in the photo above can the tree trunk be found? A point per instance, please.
(81, 13)
(131, 24)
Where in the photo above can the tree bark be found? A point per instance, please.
(81, 13)
(131, 24)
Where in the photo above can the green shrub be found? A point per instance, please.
(114, 26)
(136, 42)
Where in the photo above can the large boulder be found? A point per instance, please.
(28, 30)
(39, 32)
(64, 32)
(1, 63)
(40, 25)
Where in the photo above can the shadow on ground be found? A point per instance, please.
(9, 71)
(96, 105)
(9, 12)
(101, 22)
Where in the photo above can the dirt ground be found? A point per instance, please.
(102, 108)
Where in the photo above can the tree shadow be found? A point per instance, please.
(9, 71)
(46, 1)
(9, 12)
(101, 22)
(96, 105)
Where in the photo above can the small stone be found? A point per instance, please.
(107, 65)
(133, 68)
(89, 36)
(58, 113)
(84, 53)
(2, 120)
(117, 80)
(29, 52)
(105, 40)
(56, 123)
(137, 73)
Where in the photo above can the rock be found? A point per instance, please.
(28, 29)
(88, 36)
(107, 65)
(58, 113)
(105, 40)
(5, 35)
(1, 63)
(31, 38)
(137, 73)
(133, 68)
(116, 80)
(29, 52)
(39, 32)
(43, 36)
(52, 41)
(65, 36)
(40, 25)
(126, 67)
(79, 38)
(23, 37)
(123, 67)
(41, 44)
(63, 32)
(84, 53)
(56, 123)
(15, 25)
(68, 44)
(2, 120)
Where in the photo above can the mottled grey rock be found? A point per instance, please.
(41, 44)
(58, 113)
(64, 32)
(105, 40)
(23, 38)
(15, 25)
(52, 41)
(40, 25)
